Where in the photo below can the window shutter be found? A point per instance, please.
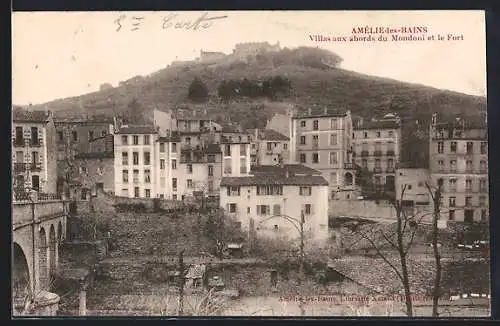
(257, 210)
(227, 207)
(229, 191)
(268, 210)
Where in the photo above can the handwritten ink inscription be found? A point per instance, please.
(171, 21)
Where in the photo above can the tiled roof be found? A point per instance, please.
(271, 179)
(292, 169)
(131, 129)
(380, 124)
(29, 116)
(319, 112)
(94, 155)
(468, 123)
(269, 134)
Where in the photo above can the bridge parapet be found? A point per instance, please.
(24, 211)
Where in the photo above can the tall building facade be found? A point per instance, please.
(34, 151)
(377, 148)
(321, 138)
(459, 156)
(268, 147)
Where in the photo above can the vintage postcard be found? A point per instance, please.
(260, 163)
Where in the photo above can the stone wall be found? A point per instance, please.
(361, 208)
(149, 203)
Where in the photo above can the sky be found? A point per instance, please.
(62, 54)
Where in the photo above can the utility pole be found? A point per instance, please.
(301, 304)
(181, 288)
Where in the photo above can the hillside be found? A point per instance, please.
(314, 80)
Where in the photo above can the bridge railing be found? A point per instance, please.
(34, 196)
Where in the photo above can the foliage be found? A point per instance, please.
(221, 229)
(198, 91)
(270, 88)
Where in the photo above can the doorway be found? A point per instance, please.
(35, 182)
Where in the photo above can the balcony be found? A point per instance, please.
(18, 142)
(365, 153)
(390, 152)
(377, 153)
(35, 166)
(349, 166)
(19, 167)
(377, 170)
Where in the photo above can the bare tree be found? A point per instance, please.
(436, 199)
(405, 235)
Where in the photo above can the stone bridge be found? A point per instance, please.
(38, 228)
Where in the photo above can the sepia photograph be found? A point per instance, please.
(250, 163)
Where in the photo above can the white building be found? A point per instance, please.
(272, 199)
(134, 161)
(269, 147)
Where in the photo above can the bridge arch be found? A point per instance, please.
(59, 232)
(21, 287)
(52, 252)
(42, 265)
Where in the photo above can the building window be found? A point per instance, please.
(174, 184)
(305, 191)
(364, 163)
(19, 136)
(35, 160)
(75, 136)
(333, 139)
(482, 200)
(452, 185)
(136, 176)
(233, 191)
(483, 215)
(146, 139)
(162, 164)
(243, 150)
(269, 146)
(378, 134)
(60, 136)
(211, 158)
(377, 163)
(302, 124)
(243, 165)
(468, 184)
(315, 158)
(227, 150)
(365, 135)
(125, 176)
(307, 209)
(84, 194)
(482, 166)
(453, 147)
(470, 147)
(124, 140)
(189, 183)
(174, 197)
(263, 210)
(483, 187)
(174, 147)
(147, 158)
(147, 192)
(189, 168)
(210, 170)
(302, 140)
(269, 190)
(315, 141)
(276, 209)
(227, 166)
(391, 133)
(451, 215)
(333, 178)
(302, 158)
(135, 158)
(484, 147)
(35, 141)
(333, 158)
(162, 147)
(440, 147)
(453, 165)
(135, 140)
(124, 158)
(174, 164)
(285, 146)
(188, 141)
(468, 201)
(440, 165)
(125, 192)
(136, 192)
(390, 163)
(452, 201)
(147, 176)
(232, 208)
(333, 124)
